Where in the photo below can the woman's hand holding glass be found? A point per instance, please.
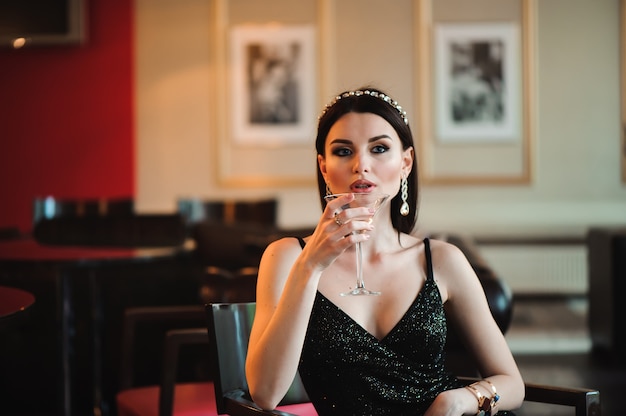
(330, 239)
(352, 212)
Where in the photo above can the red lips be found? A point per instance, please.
(362, 186)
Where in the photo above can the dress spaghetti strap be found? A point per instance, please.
(429, 262)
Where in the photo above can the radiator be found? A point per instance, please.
(540, 269)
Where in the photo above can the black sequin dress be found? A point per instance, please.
(347, 371)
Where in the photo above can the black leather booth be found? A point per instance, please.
(606, 250)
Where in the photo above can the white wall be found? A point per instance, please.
(577, 142)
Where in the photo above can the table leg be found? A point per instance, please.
(96, 336)
(65, 316)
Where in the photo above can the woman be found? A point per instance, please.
(373, 355)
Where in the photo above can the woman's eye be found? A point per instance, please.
(380, 149)
(342, 151)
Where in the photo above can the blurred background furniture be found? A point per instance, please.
(145, 230)
(222, 285)
(179, 361)
(50, 207)
(258, 211)
(229, 329)
(230, 234)
(499, 297)
(181, 390)
(231, 246)
(81, 295)
(103, 222)
(607, 289)
(15, 305)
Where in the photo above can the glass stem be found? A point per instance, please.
(359, 267)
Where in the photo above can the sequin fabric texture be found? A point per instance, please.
(348, 371)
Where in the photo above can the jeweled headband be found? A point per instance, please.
(376, 94)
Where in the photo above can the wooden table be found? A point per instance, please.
(58, 266)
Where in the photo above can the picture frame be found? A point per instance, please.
(623, 88)
(477, 71)
(250, 161)
(273, 84)
(451, 154)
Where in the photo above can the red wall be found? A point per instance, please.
(67, 116)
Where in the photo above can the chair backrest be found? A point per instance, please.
(229, 326)
(51, 207)
(262, 211)
(141, 230)
(219, 285)
(231, 246)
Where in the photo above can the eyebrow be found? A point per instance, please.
(372, 139)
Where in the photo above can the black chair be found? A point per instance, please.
(50, 207)
(499, 297)
(229, 330)
(231, 246)
(261, 211)
(606, 251)
(221, 285)
(103, 222)
(183, 327)
(141, 230)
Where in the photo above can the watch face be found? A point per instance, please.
(484, 405)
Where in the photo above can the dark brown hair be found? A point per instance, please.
(370, 103)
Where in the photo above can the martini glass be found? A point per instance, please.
(368, 200)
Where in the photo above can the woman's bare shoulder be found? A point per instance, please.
(285, 244)
(282, 249)
(445, 250)
(452, 269)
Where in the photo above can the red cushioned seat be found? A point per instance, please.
(190, 399)
(300, 409)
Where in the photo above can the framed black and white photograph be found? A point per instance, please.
(623, 92)
(475, 91)
(272, 88)
(477, 82)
